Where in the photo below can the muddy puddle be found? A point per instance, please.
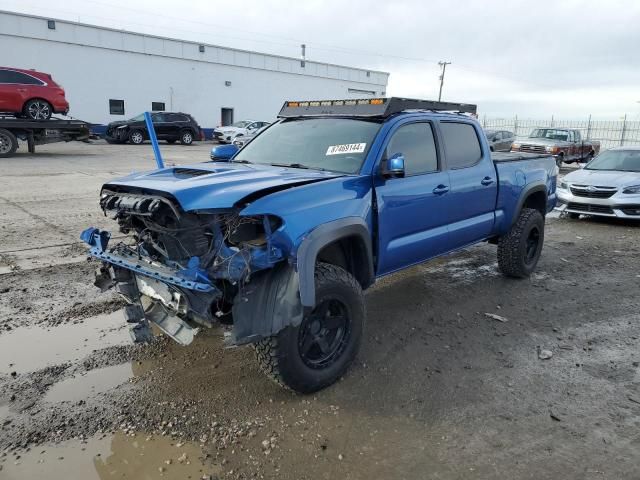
(32, 348)
(119, 456)
(89, 384)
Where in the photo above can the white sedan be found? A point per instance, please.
(609, 185)
(239, 129)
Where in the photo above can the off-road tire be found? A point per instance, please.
(279, 356)
(8, 143)
(136, 137)
(512, 247)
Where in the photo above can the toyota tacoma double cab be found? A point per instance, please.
(279, 242)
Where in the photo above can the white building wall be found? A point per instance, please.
(95, 64)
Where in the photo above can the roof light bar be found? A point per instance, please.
(368, 107)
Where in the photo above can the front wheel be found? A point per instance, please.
(519, 250)
(37, 109)
(136, 137)
(315, 354)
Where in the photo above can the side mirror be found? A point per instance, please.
(223, 153)
(394, 166)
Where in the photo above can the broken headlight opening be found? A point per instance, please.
(179, 269)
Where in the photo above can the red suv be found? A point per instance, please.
(30, 94)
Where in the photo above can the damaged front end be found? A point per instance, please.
(185, 270)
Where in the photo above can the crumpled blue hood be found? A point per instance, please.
(217, 185)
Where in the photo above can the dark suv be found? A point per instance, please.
(168, 126)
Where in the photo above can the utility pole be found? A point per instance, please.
(444, 68)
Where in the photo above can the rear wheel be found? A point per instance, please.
(136, 137)
(519, 250)
(317, 353)
(37, 109)
(8, 143)
(186, 137)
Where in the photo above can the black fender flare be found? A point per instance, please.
(321, 236)
(268, 303)
(526, 192)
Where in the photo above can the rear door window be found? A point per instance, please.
(461, 144)
(12, 77)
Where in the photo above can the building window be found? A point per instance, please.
(201, 48)
(157, 106)
(227, 83)
(368, 74)
(116, 107)
(365, 92)
(51, 24)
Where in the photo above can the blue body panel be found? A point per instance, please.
(409, 219)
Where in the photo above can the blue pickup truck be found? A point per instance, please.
(279, 241)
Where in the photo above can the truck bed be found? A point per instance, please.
(516, 156)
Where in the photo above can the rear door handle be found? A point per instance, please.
(487, 181)
(441, 189)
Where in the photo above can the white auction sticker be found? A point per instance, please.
(347, 148)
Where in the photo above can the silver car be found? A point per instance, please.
(499, 140)
(609, 185)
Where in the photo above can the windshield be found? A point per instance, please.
(621, 160)
(137, 118)
(550, 133)
(336, 144)
(241, 124)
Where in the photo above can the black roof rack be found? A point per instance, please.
(369, 107)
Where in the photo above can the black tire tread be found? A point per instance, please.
(509, 245)
(14, 143)
(267, 349)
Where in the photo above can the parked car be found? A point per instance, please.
(499, 140)
(242, 140)
(607, 186)
(169, 126)
(281, 241)
(566, 145)
(229, 133)
(223, 152)
(30, 94)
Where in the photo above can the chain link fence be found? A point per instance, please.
(610, 133)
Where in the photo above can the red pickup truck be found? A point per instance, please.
(566, 145)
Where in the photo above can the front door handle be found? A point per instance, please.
(487, 181)
(441, 189)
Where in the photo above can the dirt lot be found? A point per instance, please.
(440, 390)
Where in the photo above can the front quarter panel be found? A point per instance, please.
(315, 215)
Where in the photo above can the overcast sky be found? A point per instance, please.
(533, 58)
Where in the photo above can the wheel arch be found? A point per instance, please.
(346, 243)
(534, 196)
(24, 104)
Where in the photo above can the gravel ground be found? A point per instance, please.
(440, 390)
